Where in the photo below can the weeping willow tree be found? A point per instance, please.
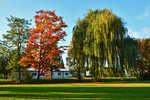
(104, 37)
(99, 38)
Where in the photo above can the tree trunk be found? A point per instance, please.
(142, 73)
(19, 74)
(5, 74)
(51, 73)
(38, 77)
(19, 57)
(5, 77)
(79, 74)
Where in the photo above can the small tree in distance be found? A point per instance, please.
(42, 48)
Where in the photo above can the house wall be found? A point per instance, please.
(63, 74)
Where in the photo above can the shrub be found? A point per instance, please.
(27, 77)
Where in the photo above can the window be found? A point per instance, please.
(66, 73)
(42, 73)
(33, 74)
(59, 74)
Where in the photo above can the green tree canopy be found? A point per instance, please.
(16, 38)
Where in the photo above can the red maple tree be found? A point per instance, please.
(42, 47)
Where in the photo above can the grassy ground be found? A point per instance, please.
(92, 91)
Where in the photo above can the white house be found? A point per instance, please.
(62, 73)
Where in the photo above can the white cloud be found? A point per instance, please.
(143, 33)
(134, 34)
(146, 30)
(145, 14)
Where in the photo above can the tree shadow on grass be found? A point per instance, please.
(45, 81)
(74, 92)
(58, 81)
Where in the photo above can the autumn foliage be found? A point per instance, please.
(145, 48)
(42, 47)
(143, 64)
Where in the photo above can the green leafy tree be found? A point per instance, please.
(5, 56)
(130, 52)
(76, 53)
(17, 37)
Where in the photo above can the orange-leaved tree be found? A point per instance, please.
(143, 63)
(42, 48)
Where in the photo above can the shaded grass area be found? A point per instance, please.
(72, 80)
(8, 81)
(108, 91)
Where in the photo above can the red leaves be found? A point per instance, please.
(36, 16)
(40, 11)
(42, 47)
(63, 25)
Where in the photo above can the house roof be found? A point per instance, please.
(61, 70)
(65, 70)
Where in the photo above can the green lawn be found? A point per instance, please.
(94, 91)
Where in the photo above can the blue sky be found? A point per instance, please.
(135, 12)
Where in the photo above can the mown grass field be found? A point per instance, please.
(84, 91)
